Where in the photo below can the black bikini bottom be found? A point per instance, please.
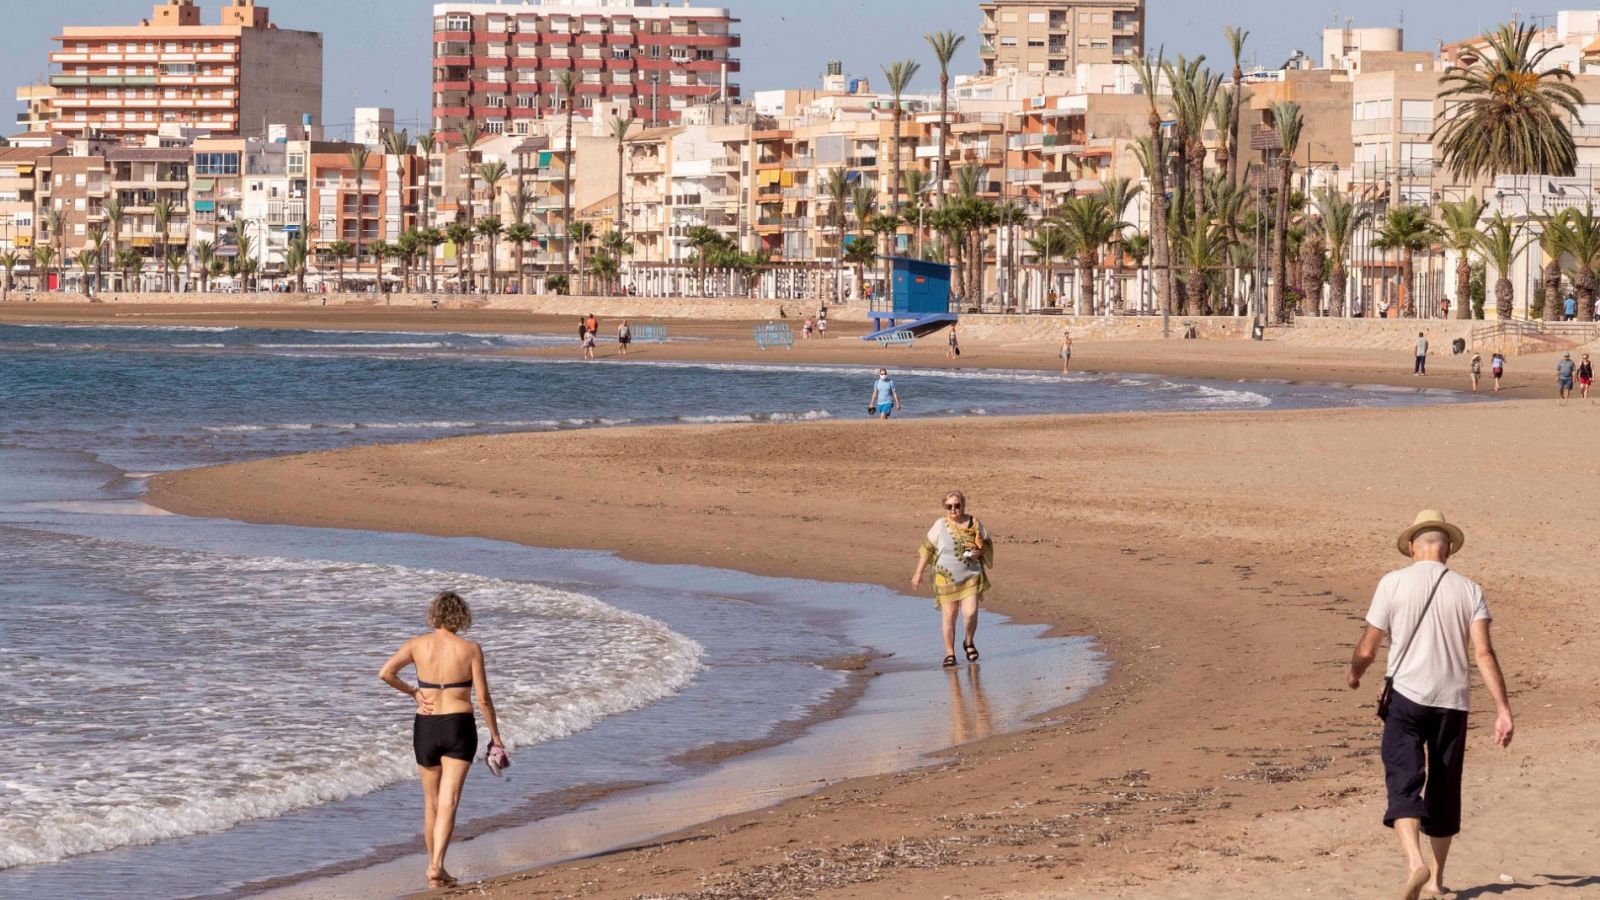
(454, 735)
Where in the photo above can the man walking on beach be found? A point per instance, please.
(1431, 615)
(1565, 370)
(885, 399)
(1421, 368)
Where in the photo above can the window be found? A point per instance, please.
(458, 23)
(497, 101)
(524, 101)
(680, 54)
(1036, 42)
(620, 53)
(1037, 18)
(705, 55)
(495, 126)
(213, 164)
(655, 51)
(297, 164)
(1008, 42)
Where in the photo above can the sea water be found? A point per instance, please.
(186, 691)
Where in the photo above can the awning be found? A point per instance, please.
(205, 185)
(544, 159)
(852, 176)
(205, 206)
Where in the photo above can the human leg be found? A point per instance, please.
(453, 774)
(969, 611)
(1447, 750)
(947, 613)
(1441, 852)
(1405, 774)
(429, 776)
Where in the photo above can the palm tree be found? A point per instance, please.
(43, 256)
(1458, 225)
(130, 264)
(1288, 123)
(619, 132)
(163, 210)
(492, 173)
(1154, 159)
(204, 253)
(1048, 246)
(1512, 117)
(358, 160)
(294, 262)
(341, 251)
(9, 260)
(944, 44)
(56, 225)
(836, 187)
(97, 243)
(459, 234)
(1406, 230)
(1236, 37)
(519, 235)
(1207, 252)
(614, 243)
(1313, 268)
(471, 134)
(1339, 219)
(1500, 243)
(1578, 236)
(114, 215)
(567, 84)
(899, 75)
(1194, 96)
(1550, 248)
(425, 144)
(490, 228)
(85, 260)
(171, 264)
(914, 182)
(433, 239)
(1088, 226)
(581, 234)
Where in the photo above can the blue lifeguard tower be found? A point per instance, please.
(920, 300)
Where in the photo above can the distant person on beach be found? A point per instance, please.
(444, 736)
(1497, 368)
(583, 331)
(1566, 371)
(1569, 308)
(593, 324)
(624, 337)
(1477, 370)
(822, 325)
(588, 344)
(959, 549)
(1066, 351)
(1421, 367)
(885, 399)
(807, 328)
(953, 348)
(1585, 376)
(1431, 615)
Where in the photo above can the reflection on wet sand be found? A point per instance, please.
(969, 718)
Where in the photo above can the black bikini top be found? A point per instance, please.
(431, 686)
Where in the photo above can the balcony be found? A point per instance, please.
(1416, 126)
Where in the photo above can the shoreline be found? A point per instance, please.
(1201, 785)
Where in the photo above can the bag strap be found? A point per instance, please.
(1407, 647)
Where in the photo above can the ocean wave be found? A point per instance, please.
(145, 757)
(429, 345)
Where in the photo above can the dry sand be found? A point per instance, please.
(1224, 560)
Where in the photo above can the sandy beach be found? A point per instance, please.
(1223, 560)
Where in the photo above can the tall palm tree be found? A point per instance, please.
(246, 259)
(1206, 249)
(836, 187)
(568, 87)
(426, 142)
(1500, 243)
(294, 263)
(1048, 245)
(55, 222)
(1339, 219)
(85, 260)
(1182, 73)
(97, 243)
(519, 235)
(914, 182)
(163, 210)
(944, 44)
(341, 251)
(43, 256)
(1154, 159)
(131, 264)
(1578, 236)
(1550, 248)
(619, 132)
(1088, 226)
(490, 228)
(115, 213)
(380, 250)
(492, 173)
(617, 246)
(1236, 37)
(1222, 112)
(1313, 267)
(1512, 116)
(9, 260)
(1194, 99)
(582, 234)
(460, 235)
(899, 75)
(397, 144)
(1407, 231)
(1288, 123)
(864, 202)
(358, 161)
(471, 134)
(204, 253)
(1458, 226)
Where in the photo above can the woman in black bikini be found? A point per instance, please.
(444, 734)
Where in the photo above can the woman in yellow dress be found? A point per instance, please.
(959, 549)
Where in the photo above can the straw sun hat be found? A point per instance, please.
(1427, 520)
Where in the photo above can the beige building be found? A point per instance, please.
(1033, 37)
(170, 70)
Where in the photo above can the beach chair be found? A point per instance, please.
(901, 338)
(774, 334)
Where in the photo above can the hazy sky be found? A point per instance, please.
(377, 51)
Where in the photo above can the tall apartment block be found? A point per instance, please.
(232, 78)
(499, 64)
(1040, 37)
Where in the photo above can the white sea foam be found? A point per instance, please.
(424, 345)
(220, 689)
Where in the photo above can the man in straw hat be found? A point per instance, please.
(1430, 614)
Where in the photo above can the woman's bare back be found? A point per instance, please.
(443, 658)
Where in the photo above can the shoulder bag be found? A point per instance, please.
(1385, 695)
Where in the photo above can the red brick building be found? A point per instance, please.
(498, 64)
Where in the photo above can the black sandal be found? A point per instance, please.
(950, 661)
(972, 651)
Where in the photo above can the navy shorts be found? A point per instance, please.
(1424, 748)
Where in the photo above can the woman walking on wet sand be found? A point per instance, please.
(444, 734)
(959, 549)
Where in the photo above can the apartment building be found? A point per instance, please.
(17, 196)
(124, 82)
(1032, 37)
(342, 207)
(38, 106)
(499, 64)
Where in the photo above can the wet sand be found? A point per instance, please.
(1224, 560)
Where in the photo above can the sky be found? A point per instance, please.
(377, 52)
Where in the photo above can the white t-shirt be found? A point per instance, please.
(1436, 670)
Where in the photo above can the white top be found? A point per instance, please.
(1422, 346)
(1436, 670)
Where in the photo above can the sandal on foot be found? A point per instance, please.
(972, 651)
(950, 661)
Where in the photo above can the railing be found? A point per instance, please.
(1416, 126)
